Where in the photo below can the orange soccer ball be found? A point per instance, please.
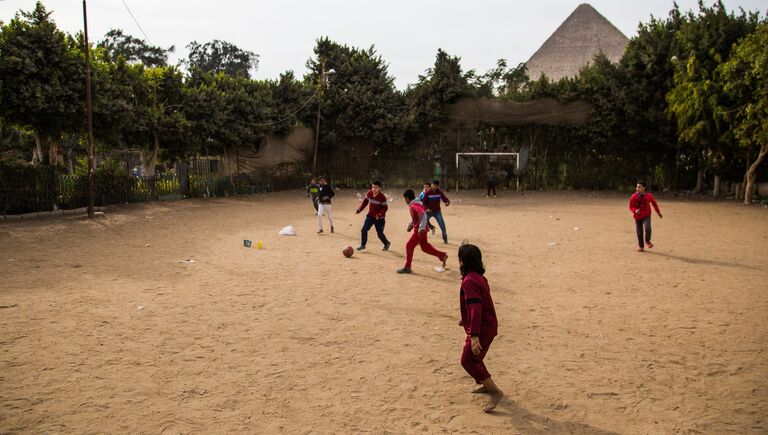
(348, 251)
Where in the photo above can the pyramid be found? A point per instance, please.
(575, 43)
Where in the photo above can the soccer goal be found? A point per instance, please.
(481, 163)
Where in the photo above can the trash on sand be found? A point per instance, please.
(140, 307)
(247, 243)
(288, 231)
(552, 243)
(186, 261)
(576, 228)
(438, 269)
(259, 244)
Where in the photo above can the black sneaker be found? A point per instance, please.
(445, 239)
(360, 248)
(404, 270)
(386, 247)
(332, 232)
(319, 231)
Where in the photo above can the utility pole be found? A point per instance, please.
(89, 112)
(323, 81)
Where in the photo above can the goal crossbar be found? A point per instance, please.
(517, 168)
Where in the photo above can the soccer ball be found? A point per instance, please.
(348, 251)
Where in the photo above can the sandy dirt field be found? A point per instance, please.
(104, 329)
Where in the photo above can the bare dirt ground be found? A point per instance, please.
(104, 329)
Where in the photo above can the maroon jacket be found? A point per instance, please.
(478, 315)
(378, 208)
(640, 205)
(432, 199)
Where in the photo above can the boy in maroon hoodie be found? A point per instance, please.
(478, 317)
(376, 212)
(640, 206)
(418, 229)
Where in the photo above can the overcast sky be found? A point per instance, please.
(406, 33)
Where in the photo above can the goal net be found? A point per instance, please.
(474, 170)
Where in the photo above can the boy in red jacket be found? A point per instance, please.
(418, 228)
(640, 206)
(376, 212)
(478, 317)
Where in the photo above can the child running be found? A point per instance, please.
(425, 190)
(433, 198)
(640, 206)
(418, 228)
(376, 211)
(478, 317)
(324, 198)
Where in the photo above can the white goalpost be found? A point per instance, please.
(517, 166)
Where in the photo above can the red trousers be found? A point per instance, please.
(421, 240)
(472, 363)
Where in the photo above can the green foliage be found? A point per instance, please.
(41, 71)
(744, 79)
(221, 57)
(358, 101)
(133, 50)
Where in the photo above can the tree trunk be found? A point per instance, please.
(37, 153)
(716, 189)
(148, 163)
(699, 181)
(751, 174)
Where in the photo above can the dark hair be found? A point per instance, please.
(427, 183)
(321, 178)
(641, 182)
(436, 182)
(471, 259)
(377, 183)
(409, 195)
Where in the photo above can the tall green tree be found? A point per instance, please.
(133, 50)
(648, 68)
(358, 101)
(221, 56)
(744, 78)
(41, 71)
(706, 40)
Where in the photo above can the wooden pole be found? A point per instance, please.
(89, 112)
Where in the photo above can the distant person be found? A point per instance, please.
(478, 317)
(325, 193)
(432, 203)
(312, 192)
(640, 206)
(418, 229)
(377, 210)
(492, 182)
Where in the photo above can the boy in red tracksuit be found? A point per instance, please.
(640, 206)
(478, 317)
(376, 212)
(418, 228)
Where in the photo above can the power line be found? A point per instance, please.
(136, 21)
(263, 124)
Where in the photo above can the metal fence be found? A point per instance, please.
(42, 190)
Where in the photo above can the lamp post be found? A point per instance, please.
(323, 81)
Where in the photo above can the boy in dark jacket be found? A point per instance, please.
(324, 204)
(432, 204)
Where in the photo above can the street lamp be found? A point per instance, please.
(323, 82)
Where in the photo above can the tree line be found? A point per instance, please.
(688, 96)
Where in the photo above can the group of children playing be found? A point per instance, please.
(478, 314)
